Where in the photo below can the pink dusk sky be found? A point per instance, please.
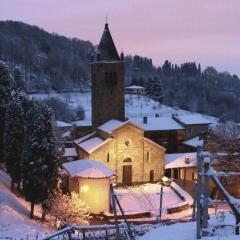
(205, 31)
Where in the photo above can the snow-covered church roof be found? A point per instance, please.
(88, 169)
(111, 126)
(114, 124)
(92, 144)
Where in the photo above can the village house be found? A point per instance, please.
(135, 90)
(182, 169)
(164, 131)
(194, 125)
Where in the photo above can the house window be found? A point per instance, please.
(148, 157)
(127, 143)
(126, 160)
(110, 79)
(151, 176)
(108, 157)
(194, 176)
(106, 76)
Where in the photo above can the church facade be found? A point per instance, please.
(122, 147)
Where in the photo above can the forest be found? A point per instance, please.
(50, 62)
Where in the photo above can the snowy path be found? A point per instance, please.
(14, 215)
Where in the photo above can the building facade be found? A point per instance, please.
(122, 147)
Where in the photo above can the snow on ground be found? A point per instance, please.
(146, 198)
(187, 231)
(136, 106)
(14, 215)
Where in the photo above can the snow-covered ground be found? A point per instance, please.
(14, 215)
(15, 222)
(136, 106)
(187, 231)
(146, 198)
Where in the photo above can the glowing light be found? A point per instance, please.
(84, 188)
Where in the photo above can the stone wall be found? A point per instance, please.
(107, 92)
(153, 160)
(129, 143)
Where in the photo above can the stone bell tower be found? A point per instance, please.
(107, 76)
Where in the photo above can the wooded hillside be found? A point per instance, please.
(52, 62)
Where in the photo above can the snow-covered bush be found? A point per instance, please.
(80, 113)
(68, 209)
(61, 109)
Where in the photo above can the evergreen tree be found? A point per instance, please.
(19, 84)
(5, 96)
(40, 163)
(199, 70)
(154, 89)
(14, 138)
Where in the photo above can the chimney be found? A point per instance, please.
(122, 56)
(187, 160)
(98, 56)
(145, 120)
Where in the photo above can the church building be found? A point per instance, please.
(122, 147)
(114, 141)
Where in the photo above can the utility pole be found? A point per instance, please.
(115, 198)
(205, 191)
(195, 201)
(115, 212)
(160, 207)
(199, 191)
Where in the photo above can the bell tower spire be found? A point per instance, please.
(106, 19)
(107, 76)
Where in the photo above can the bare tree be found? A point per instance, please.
(223, 142)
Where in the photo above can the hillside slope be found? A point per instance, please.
(14, 215)
(52, 62)
(48, 61)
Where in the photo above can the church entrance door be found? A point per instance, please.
(127, 174)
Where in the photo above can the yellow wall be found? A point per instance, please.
(95, 193)
(155, 162)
